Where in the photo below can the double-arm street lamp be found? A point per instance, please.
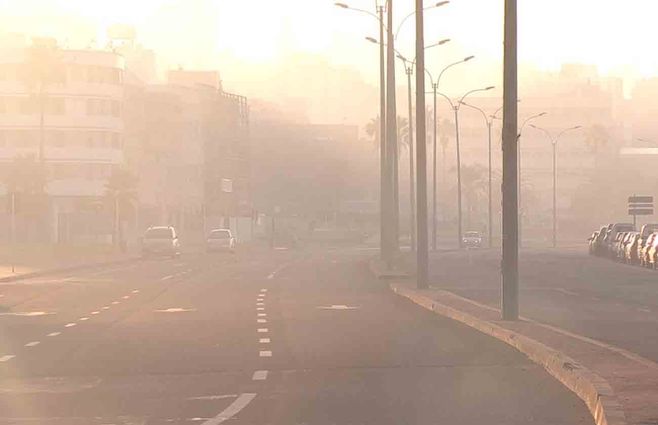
(554, 141)
(435, 88)
(455, 107)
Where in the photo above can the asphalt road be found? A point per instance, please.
(591, 296)
(261, 337)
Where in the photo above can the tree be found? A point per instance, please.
(121, 192)
(373, 130)
(474, 186)
(25, 182)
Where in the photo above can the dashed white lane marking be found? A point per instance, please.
(260, 300)
(263, 290)
(105, 308)
(260, 304)
(69, 325)
(232, 410)
(338, 307)
(644, 310)
(116, 302)
(176, 310)
(566, 291)
(83, 319)
(135, 291)
(263, 330)
(213, 397)
(95, 312)
(262, 314)
(596, 298)
(168, 277)
(266, 354)
(33, 344)
(259, 375)
(54, 334)
(260, 308)
(6, 358)
(261, 320)
(125, 297)
(264, 340)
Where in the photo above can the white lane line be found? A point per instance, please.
(213, 397)
(116, 302)
(6, 358)
(232, 410)
(260, 308)
(105, 308)
(262, 314)
(69, 325)
(261, 320)
(33, 344)
(259, 375)
(644, 310)
(135, 291)
(566, 291)
(264, 340)
(167, 277)
(125, 297)
(260, 300)
(260, 304)
(263, 289)
(266, 354)
(54, 334)
(95, 312)
(83, 319)
(263, 330)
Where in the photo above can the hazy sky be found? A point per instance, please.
(236, 34)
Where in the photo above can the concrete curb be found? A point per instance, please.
(588, 386)
(49, 272)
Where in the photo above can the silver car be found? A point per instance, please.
(160, 241)
(220, 240)
(472, 239)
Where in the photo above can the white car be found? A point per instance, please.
(160, 241)
(472, 240)
(220, 240)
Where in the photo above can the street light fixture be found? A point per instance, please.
(434, 6)
(554, 141)
(435, 88)
(455, 108)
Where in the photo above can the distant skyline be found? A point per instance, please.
(243, 38)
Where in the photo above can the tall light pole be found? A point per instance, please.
(518, 165)
(422, 255)
(455, 107)
(489, 119)
(510, 260)
(435, 88)
(554, 141)
(391, 140)
(383, 170)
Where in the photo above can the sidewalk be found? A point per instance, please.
(619, 387)
(29, 260)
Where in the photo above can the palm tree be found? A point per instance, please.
(373, 130)
(121, 191)
(474, 184)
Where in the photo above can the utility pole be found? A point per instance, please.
(435, 87)
(384, 230)
(412, 187)
(510, 261)
(391, 140)
(554, 143)
(13, 230)
(422, 260)
(490, 228)
(460, 233)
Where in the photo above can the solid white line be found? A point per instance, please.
(6, 358)
(266, 354)
(264, 340)
(213, 397)
(33, 344)
(232, 410)
(54, 334)
(262, 314)
(263, 330)
(69, 325)
(259, 375)
(261, 320)
(167, 277)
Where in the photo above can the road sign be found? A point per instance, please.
(640, 205)
(637, 211)
(640, 199)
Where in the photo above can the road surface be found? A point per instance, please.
(261, 337)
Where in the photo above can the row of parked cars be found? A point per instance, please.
(621, 242)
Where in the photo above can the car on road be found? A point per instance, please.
(618, 245)
(220, 240)
(599, 242)
(611, 238)
(652, 253)
(472, 239)
(160, 241)
(630, 251)
(643, 251)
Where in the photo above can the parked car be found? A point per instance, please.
(592, 243)
(472, 239)
(220, 240)
(630, 252)
(599, 242)
(160, 241)
(618, 245)
(652, 253)
(611, 237)
(644, 250)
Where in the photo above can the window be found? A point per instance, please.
(106, 107)
(116, 143)
(220, 234)
(55, 106)
(59, 139)
(26, 106)
(91, 143)
(116, 108)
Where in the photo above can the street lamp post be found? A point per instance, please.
(554, 141)
(435, 88)
(489, 119)
(518, 171)
(455, 107)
